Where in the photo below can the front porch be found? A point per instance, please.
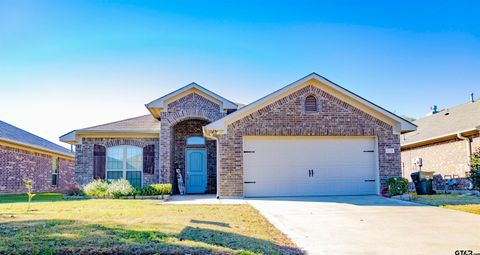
(194, 156)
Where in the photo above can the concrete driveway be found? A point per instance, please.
(370, 225)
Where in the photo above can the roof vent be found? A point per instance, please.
(446, 112)
(471, 98)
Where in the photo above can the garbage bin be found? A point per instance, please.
(423, 182)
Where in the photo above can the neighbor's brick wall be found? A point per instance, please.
(181, 132)
(84, 156)
(286, 117)
(445, 158)
(475, 142)
(17, 165)
(191, 106)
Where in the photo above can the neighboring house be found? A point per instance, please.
(444, 141)
(311, 137)
(26, 156)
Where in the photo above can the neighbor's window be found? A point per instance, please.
(311, 104)
(125, 162)
(54, 171)
(195, 140)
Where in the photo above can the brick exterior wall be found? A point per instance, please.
(190, 107)
(286, 117)
(445, 158)
(17, 165)
(84, 156)
(185, 129)
(475, 142)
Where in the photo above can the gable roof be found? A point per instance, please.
(447, 123)
(15, 135)
(158, 104)
(401, 126)
(145, 124)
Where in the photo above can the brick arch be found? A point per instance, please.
(191, 106)
(187, 114)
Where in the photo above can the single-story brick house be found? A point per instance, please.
(26, 156)
(311, 137)
(444, 141)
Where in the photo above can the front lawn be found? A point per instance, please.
(39, 197)
(464, 203)
(136, 226)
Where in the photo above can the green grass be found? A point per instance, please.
(39, 197)
(464, 203)
(136, 226)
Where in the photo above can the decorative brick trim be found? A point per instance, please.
(84, 156)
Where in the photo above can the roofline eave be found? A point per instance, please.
(40, 148)
(436, 138)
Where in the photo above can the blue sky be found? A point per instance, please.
(72, 64)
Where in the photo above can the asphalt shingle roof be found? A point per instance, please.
(144, 123)
(15, 134)
(460, 118)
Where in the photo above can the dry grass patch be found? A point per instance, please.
(137, 226)
(464, 203)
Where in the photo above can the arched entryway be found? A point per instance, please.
(195, 156)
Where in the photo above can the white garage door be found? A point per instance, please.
(307, 166)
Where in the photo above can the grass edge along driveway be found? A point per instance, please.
(135, 226)
(465, 203)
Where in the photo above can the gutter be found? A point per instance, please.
(39, 148)
(426, 141)
(469, 145)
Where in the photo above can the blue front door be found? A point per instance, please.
(196, 162)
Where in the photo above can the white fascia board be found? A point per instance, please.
(72, 136)
(439, 137)
(37, 147)
(68, 137)
(405, 125)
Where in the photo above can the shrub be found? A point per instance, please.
(157, 189)
(74, 191)
(397, 185)
(474, 175)
(162, 189)
(120, 187)
(96, 188)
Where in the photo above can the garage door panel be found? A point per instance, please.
(280, 166)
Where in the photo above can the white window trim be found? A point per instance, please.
(124, 164)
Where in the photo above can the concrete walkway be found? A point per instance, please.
(202, 199)
(370, 225)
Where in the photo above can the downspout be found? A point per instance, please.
(469, 147)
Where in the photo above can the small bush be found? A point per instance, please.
(156, 190)
(397, 186)
(76, 190)
(162, 189)
(474, 175)
(119, 188)
(96, 188)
